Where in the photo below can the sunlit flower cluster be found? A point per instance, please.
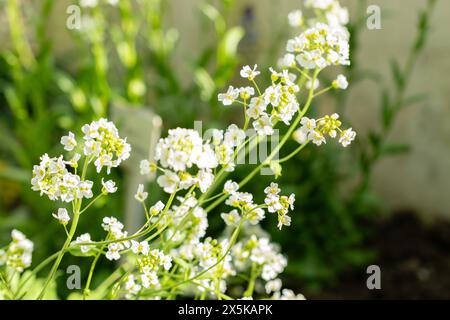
(317, 131)
(103, 145)
(261, 252)
(319, 47)
(279, 204)
(52, 178)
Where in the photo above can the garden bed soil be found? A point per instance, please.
(414, 259)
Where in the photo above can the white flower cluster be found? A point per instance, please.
(262, 252)
(319, 47)
(187, 160)
(277, 103)
(18, 254)
(205, 255)
(103, 144)
(329, 11)
(52, 178)
(115, 232)
(279, 204)
(243, 201)
(316, 130)
(149, 263)
(194, 228)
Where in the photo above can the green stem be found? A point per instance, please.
(60, 255)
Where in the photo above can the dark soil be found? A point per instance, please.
(414, 259)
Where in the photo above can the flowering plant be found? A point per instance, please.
(171, 255)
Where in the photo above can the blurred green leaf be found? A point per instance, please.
(205, 83)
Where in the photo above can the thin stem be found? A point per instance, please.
(292, 154)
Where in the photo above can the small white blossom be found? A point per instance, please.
(69, 142)
(62, 216)
(141, 195)
(84, 238)
(232, 218)
(229, 97)
(140, 247)
(347, 136)
(156, 208)
(273, 286)
(249, 73)
(340, 82)
(108, 186)
(230, 187)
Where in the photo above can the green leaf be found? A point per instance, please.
(386, 110)
(205, 83)
(228, 45)
(394, 149)
(214, 15)
(397, 75)
(415, 99)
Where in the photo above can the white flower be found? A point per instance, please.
(149, 279)
(288, 294)
(255, 215)
(140, 247)
(69, 142)
(113, 226)
(234, 136)
(141, 195)
(295, 18)
(340, 82)
(272, 95)
(232, 218)
(113, 252)
(228, 97)
(168, 181)
(204, 179)
(62, 216)
(273, 286)
(146, 167)
(256, 107)
(347, 136)
(156, 208)
(230, 187)
(272, 189)
(263, 125)
(84, 238)
(249, 73)
(246, 92)
(283, 220)
(166, 261)
(109, 186)
(316, 137)
(131, 286)
(287, 61)
(309, 124)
